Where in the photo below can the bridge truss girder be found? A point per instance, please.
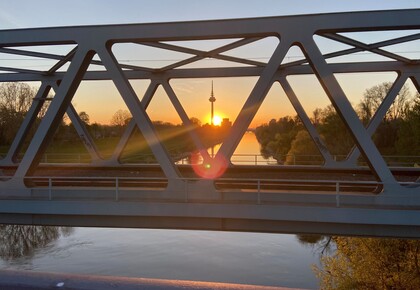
(290, 31)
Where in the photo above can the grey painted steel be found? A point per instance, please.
(30, 117)
(219, 215)
(369, 214)
(199, 54)
(138, 112)
(186, 121)
(151, 89)
(254, 101)
(83, 133)
(379, 115)
(366, 47)
(62, 62)
(55, 113)
(38, 101)
(347, 114)
(329, 161)
(310, 24)
(128, 132)
(363, 67)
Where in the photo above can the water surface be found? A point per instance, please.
(247, 258)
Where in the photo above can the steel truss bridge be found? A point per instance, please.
(213, 201)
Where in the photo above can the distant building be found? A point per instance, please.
(226, 123)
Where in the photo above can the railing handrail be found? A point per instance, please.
(235, 154)
(340, 185)
(109, 178)
(240, 158)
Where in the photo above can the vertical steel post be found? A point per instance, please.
(337, 194)
(49, 188)
(116, 189)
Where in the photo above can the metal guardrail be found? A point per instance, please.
(336, 187)
(248, 159)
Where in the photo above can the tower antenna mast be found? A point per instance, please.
(212, 100)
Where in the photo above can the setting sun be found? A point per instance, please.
(217, 120)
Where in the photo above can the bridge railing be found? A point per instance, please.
(114, 188)
(238, 159)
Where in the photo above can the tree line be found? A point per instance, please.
(17, 98)
(397, 134)
(365, 263)
(15, 101)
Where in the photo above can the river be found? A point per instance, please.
(247, 258)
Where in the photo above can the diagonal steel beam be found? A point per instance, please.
(329, 161)
(416, 81)
(29, 120)
(254, 101)
(344, 109)
(359, 44)
(138, 112)
(181, 63)
(21, 70)
(326, 56)
(81, 130)
(27, 123)
(62, 62)
(61, 58)
(55, 112)
(199, 54)
(379, 115)
(394, 41)
(122, 143)
(31, 53)
(357, 49)
(128, 132)
(188, 50)
(83, 133)
(186, 121)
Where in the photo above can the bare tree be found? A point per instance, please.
(121, 118)
(84, 117)
(15, 100)
(373, 97)
(16, 97)
(195, 121)
(316, 116)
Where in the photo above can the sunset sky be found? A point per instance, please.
(193, 94)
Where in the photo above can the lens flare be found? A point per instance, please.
(212, 169)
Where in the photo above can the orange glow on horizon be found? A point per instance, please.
(100, 99)
(217, 120)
